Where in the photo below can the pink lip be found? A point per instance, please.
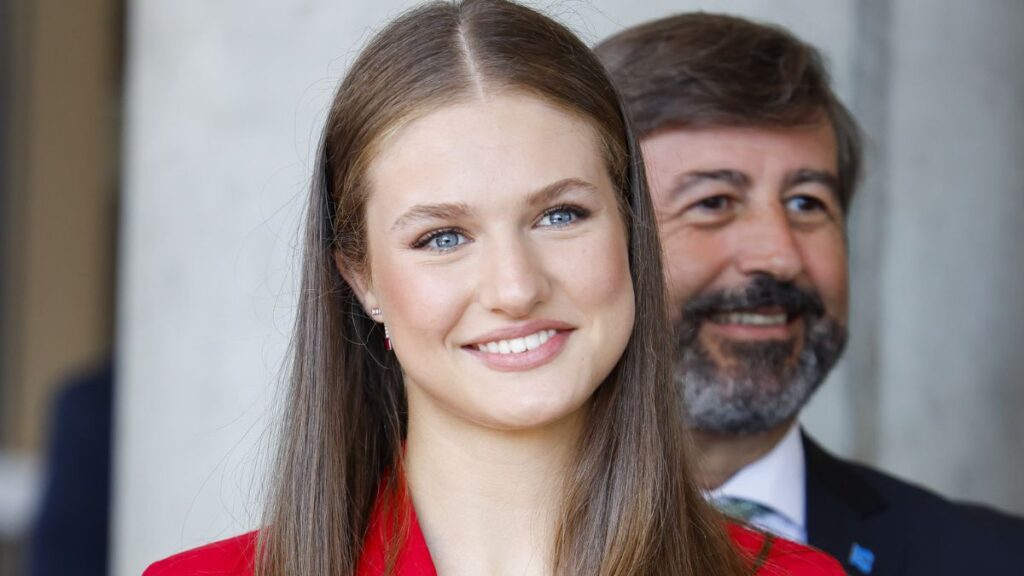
(521, 361)
(529, 359)
(519, 330)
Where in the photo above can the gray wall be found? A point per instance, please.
(952, 271)
(225, 102)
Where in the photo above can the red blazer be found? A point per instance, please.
(234, 557)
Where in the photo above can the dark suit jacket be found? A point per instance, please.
(70, 535)
(875, 524)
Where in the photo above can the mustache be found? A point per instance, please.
(761, 292)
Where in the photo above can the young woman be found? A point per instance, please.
(480, 379)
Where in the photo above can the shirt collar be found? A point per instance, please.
(775, 480)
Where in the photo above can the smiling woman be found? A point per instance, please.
(481, 378)
(526, 244)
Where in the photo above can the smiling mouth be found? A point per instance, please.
(750, 318)
(522, 352)
(517, 345)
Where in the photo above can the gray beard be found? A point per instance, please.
(762, 388)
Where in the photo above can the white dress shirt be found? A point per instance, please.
(777, 481)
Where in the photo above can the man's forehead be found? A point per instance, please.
(820, 132)
(742, 149)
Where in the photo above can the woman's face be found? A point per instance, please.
(498, 256)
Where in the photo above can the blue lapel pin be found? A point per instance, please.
(861, 558)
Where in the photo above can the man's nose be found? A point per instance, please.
(768, 246)
(513, 280)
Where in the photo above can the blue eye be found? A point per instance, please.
(445, 240)
(804, 204)
(562, 216)
(441, 241)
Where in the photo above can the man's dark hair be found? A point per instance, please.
(712, 70)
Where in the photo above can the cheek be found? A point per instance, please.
(596, 277)
(416, 300)
(826, 263)
(693, 261)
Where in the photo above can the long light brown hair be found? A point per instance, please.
(630, 505)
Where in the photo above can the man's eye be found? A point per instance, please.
(441, 241)
(562, 216)
(804, 204)
(715, 203)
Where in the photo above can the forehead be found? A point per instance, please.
(753, 148)
(481, 148)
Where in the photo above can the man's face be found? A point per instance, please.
(755, 258)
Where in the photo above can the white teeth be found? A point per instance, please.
(532, 341)
(517, 345)
(750, 319)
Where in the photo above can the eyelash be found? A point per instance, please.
(815, 203)
(702, 204)
(578, 213)
(422, 241)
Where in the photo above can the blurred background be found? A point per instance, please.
(153, 164)
(60, 124)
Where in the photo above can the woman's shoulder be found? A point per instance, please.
(231, 557)
(773, 556)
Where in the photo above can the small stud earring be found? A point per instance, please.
(375, 312)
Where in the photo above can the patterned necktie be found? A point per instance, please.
(741, 509)
(763, 517)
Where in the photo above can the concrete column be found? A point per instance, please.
(952, 366)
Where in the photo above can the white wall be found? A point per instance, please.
(225, 102)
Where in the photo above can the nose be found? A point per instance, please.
(769, 246)
(514, 280)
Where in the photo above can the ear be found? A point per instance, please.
(359, 283)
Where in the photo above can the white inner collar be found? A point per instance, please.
(775, 480)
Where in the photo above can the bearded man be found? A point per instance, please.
(752, 163)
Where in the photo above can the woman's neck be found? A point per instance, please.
(487, 500)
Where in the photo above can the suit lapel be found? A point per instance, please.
(846, 517)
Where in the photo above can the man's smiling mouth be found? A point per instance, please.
(750, 318)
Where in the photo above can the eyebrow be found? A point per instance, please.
(693, 179)
(422, 212)
(553, 191)
(808, 176)
(455, 210)
(742, 181)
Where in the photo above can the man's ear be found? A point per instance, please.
(357, 281)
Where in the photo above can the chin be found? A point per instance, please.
(524, 414)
